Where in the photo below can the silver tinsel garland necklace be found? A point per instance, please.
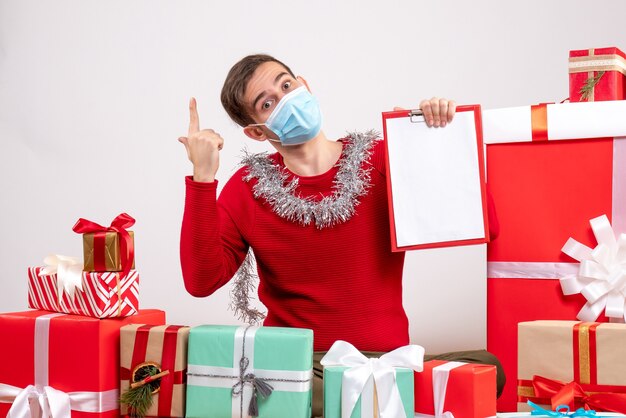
(350, 183)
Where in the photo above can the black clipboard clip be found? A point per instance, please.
(413, 114)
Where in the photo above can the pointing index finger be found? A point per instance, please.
(194, 120)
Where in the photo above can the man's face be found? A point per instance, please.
(269, 83)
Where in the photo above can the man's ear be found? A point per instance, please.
(255, 132)
(303, 81)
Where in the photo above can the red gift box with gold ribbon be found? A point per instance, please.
(163, 349)
(597, 74)
(579, 364)
(550, 168)
(64, 364)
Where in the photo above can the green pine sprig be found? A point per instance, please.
(587, 89)
(139, 399)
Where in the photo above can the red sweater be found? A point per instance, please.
(343, 281)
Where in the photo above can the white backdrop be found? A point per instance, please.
(94, 94)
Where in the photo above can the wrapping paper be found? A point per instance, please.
(470, 391)
(226, 363)
(102, 295)
(333, 386)
(166, 346)
(552, 354)
(109, 253)
(356, 386)
(554, 122)
(608, 64)
(108, 248)
(545, 191)
(527, 414)
(66, 353)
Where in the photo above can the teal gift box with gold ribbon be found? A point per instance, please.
(237, 372)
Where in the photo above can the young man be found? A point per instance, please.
(315, 214)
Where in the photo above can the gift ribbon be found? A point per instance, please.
(381, 370)
(119, 225)
(619, 185)
(601, 276)
(574, 395)
(582, 391)
(605, 62)
(43, 401)
(69, 272)
(530, 270)
(168, 362)
(568, 272)
(560, 411)
(592, 80)
(585, 353)
(243, 378)
(539, 122)
(441, 375)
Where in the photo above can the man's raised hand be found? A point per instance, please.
(202, 146)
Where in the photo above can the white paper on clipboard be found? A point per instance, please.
(435, 179)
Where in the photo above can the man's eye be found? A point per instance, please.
(266, 105)
(286, 85)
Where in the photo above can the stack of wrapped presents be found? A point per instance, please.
(63, 357)
(557, 173)
(556, 303)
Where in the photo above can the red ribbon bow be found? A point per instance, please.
(573, 395)
(119, 225)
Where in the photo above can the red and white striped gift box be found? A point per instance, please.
(103, 294)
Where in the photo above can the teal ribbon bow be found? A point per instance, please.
(561, 411)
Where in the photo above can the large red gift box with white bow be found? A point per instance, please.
(62, 363)
(551, 169)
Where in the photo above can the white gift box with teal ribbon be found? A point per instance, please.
(235, 372)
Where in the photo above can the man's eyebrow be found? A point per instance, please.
(278, 77)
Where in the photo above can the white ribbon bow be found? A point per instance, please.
(34, 401)
(43, 401)
(47, 402)
(601, 276)
(382, 369)
(69, 271)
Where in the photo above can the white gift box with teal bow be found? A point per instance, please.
(235, 372)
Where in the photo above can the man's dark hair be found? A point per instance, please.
(236, 83)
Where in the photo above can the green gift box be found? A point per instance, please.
(333, 376)
(359, 387)
(230, 369)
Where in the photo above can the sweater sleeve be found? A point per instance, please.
(211, 245)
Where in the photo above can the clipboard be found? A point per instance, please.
(435, 180)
